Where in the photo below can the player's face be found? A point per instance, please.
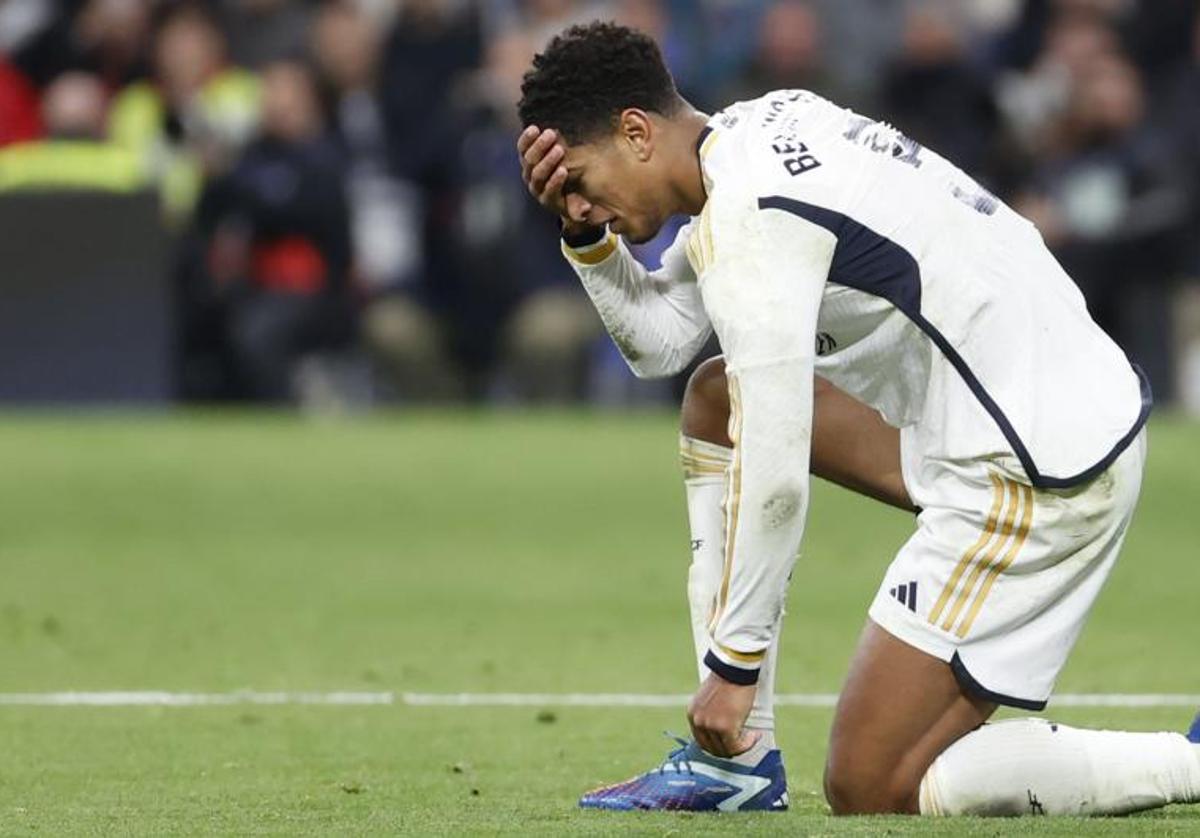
(608, 184)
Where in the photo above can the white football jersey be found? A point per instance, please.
(833, 244)
(944, 309)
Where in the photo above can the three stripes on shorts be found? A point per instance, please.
(1003, 535)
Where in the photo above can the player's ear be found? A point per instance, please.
(636, 131)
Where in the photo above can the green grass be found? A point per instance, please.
(442, 553)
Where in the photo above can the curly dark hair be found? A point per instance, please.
(588, 74)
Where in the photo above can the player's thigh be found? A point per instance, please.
(899, 709)
(851, 444)
(853, 447)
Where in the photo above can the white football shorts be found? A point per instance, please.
(999, 576)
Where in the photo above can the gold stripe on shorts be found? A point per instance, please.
(1006, 531)
(1002, 565)
(989, 530)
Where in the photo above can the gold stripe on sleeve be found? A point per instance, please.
(686, 450)
(1006, 531)
(989, 530)
(700, 243)
(594, 256)
(733, 496)
(710, 254)
(703, 458)
(741, 657)
(694, 468)
(693, 254)
(1002, 565)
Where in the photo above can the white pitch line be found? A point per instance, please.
(350, 698)
(172, 699)
(544, 700)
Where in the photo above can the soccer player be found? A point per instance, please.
(887, 324)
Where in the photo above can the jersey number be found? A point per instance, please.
(796, 158)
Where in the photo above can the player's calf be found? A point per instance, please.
(899, 710)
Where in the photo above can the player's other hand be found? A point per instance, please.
(718, 713)
(542, 169)
(542, 154)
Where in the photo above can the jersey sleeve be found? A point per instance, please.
(762, 275)
(656, 319)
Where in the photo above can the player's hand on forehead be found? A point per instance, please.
(542, 154)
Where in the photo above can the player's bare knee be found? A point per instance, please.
(705, 412)
(857, 789)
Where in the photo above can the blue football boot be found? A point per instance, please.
(691, 780)
(1193, 733)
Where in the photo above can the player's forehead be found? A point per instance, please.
(584, 155)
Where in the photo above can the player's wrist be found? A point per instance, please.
(575, 234)
(743, 676)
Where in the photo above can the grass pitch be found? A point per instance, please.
(445, 553)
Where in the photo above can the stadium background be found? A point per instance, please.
(331, 213)
(300, 226)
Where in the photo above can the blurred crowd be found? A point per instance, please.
(340, 179)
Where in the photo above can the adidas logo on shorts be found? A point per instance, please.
(906, 594)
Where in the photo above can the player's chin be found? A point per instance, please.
(637, 235)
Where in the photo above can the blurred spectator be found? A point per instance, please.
(275, 234)
(21, 20)
(104, 37)
(932, 79)
(1109, 201)
(74, 153)
(386, 212)
(1180, 112)
(1035, 101)
(862, 38)
(508, 312)
(189, 120)
(543, 19)
(788, 55)
(432, 44)
(261, 31)
(20, 119)
(678, 37)
(1181, 116)
(1159, 35)
(517, 305)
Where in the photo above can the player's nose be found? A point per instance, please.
(578, 208)
(598, 217)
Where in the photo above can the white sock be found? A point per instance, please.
(1032, 766)
(754, 755)
(704, 478)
